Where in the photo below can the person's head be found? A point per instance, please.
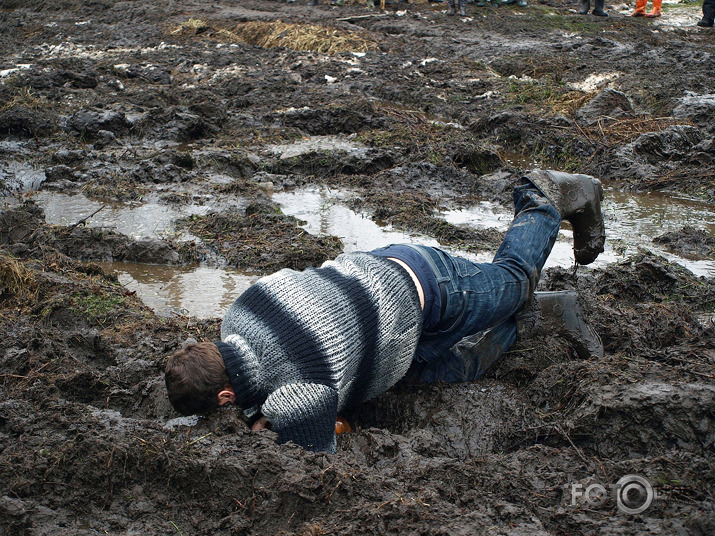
(196, 379)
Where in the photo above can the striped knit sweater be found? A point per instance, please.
(301, 346)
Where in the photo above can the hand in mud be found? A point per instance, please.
(342, 426)
(261, 424)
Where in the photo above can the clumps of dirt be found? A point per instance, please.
(74, 333)
(25, 122)
(91, 124)
(25, 115)
(306, 37)
(263, 239)
(688, 242)
(331, 165)
(649, 278)
(343, 118)
(553, 140)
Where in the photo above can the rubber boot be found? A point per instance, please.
(708, 15)
(463, 8)
(640, 8)
(559, 313)
(585, 6)
(452, 9)
(655, 12)
(578, 200)
(598, 9)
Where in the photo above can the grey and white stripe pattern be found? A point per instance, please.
(305, 345)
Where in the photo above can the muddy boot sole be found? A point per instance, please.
(589, 233)
(578, 200)
(560, 313)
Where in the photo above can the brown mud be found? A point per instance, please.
(193, 104)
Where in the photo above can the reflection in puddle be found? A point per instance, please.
(137, 220)
(324, 214)
(201, 291)
(632, 221)
(313, 144)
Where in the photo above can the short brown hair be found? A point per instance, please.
(194, 377)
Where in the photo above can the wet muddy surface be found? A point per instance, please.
(156, 158)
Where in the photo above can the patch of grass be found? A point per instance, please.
(545, 17)
(557, 156)
(531, 92)
(191, 25)
(24, 98)
(546, 93)
(95, 307)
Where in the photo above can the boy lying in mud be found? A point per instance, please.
(299, 347)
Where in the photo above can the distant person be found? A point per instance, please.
(640, 9)
(597, 9)
(297, 348)
(708, 14)
(452, 9)
(332, 2)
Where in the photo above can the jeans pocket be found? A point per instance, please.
(453, 314)
(465, 268)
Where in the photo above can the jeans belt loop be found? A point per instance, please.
(443, 299)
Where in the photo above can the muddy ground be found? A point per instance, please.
(185, 103)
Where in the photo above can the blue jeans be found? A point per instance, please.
(482, 298)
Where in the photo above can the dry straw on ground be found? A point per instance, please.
(303, 37)
(616, 132)
(15, 280)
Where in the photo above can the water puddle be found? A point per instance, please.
(632, 221)
(20, 177)
(198, 291)
(317, 144)
(519, 160)
(150, 219)
(324, 213)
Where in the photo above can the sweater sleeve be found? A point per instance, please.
(304, 413)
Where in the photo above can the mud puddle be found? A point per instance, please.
(323, 212)
(199, 291)
(632, 220)
(20, 177)
(312, 144)
(149, 219)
